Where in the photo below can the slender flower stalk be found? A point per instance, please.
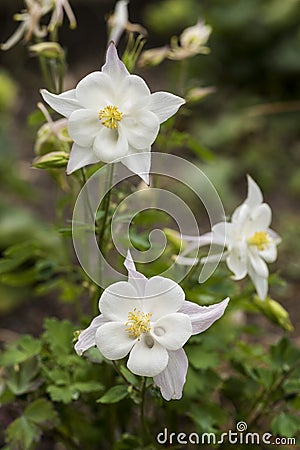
(149, 320)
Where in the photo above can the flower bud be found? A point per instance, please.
(47, 49)
(52, 160)
(274, 312)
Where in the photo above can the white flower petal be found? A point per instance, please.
(83, 125)
(147, 358)
(138, 163)
(141, 129)
(134, 94)
(113, 66)
(275, 237)
(120, 19)
(172, 379)
(269, 254)
(95, 91)
(186, 261)
(113, 341)
(219, 233)
(64, 103)
(165, 105)
(260, 283)
(260, 219)
(172, 331)
(86, 338)
(110, 145)
(240, 216)
(15, 37)
(162, 296)
(215, 257)
(137, 279)
(118, 300)
(254, 197)
(80, 157)
(258, 264)
(237, 261)
(202, 317)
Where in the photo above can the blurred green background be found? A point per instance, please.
(250, 124)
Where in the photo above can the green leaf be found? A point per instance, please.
(25, 348)
(59, 336)
(202, 359)
(114, 394)
(21, 434)
(64, 394)
(87, 386)
(41, 412)
(285, 425)
(129, 375)
(21, 378)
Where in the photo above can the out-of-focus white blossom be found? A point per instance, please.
(29, 20)
(118, 22)
(59, 8)
(192, 42)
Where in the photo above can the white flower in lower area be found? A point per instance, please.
(151, 321)
(111, 115)
(249, 241)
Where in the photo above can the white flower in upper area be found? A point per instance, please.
(192, 41)
(59, 7)
(249, 241)
(29, 20)
(118, 22)
(151, 321)
(112, 114)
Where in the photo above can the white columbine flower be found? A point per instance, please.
(249, 241)
(118, 22)
(29, 20)
(192, 42)
(151, 321)
(59, 8)
(112, 114)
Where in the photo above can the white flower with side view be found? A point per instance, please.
(249, 241)
(112, 114)
(150, 320)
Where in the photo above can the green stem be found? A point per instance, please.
(123, 376)
(101, 234)
(145, 431)
(84, 181)
(101, 240)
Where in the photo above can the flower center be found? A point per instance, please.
(138, 323)
(260, 239)
(110, 116)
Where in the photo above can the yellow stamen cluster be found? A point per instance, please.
(260, 239)
(110, 116)
(138, 323)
